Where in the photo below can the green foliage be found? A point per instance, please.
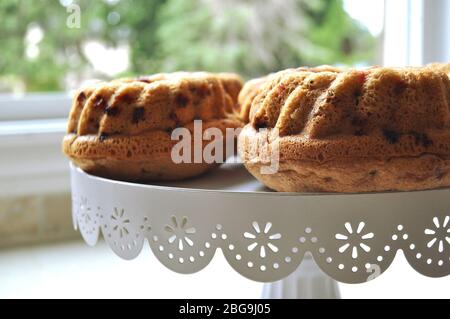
(257, 37)
(251, 37)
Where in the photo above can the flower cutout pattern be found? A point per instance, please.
(146, 226)
(84, 212)
(179, 232)
(263, 239)
(439, 234)
(354, 239)
(85, 217)
(120, 223)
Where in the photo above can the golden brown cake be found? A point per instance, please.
(336, 130)
(122, 129)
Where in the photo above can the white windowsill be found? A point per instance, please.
(34, 106)
(31, 161)
(31, 130)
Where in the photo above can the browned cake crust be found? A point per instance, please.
(253, 87)
(122, 129)
(352, 130)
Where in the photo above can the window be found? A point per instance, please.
(62, 44)
(416, 32)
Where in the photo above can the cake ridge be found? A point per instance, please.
(172, 100)
(354, 101)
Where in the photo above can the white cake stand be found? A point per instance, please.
(299, 243)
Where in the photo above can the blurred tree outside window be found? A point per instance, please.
(130, 37)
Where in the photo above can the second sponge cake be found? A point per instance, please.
(350, 130)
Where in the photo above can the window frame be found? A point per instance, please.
(406, 42)
(34, 106)
(31, 160)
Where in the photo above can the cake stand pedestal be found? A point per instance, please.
(306, 282)
(299, 243)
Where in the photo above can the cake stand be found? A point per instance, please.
(300, 244)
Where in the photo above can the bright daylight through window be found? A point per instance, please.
(120, 38)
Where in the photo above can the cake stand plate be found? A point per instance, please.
(264, 235)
